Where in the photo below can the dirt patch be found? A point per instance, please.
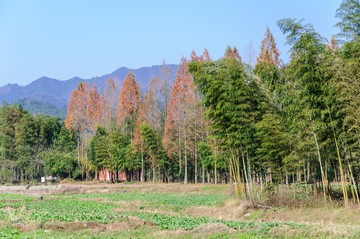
(26, 227)
(203, 231)
(72, 187)
(211, 228)
(180, 233)
(43, 190)
(136, 205)
(131, 223)
(231, 210)
(73, 226)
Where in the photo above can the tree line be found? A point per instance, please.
(34, 145)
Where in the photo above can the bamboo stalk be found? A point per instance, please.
(242, 175)
(341, 168)
(245, 174)
(321, 169)
(351, 175)
(239, 178)
(249, 173)
(341, 172)
(236, 184)
(352, 188)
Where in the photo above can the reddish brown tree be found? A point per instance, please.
(181, 96)
(269, 54)
(268, 63)
(232, 53)
(93, 108)
(333, 45)
(129, 103)
(77, 109)
(193, 56)
(205, 56)
(82, 116)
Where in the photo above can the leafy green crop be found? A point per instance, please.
(8, 196)
(68, 208)
(184, 199)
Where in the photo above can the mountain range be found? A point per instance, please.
(57, 93)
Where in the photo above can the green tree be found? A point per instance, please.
(349, 14)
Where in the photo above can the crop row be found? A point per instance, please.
(184, 199)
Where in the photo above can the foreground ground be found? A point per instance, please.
(162, 211)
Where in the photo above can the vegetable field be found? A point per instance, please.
(146, 211)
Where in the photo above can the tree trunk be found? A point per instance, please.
(335, 172)
(154, 172)
(308, 168)
(352, 176)
(249, 172)
(245, 174)
(196, 168)
(195, 151)
(326, 169)
(230, 165)
(78, 148)
(203, 174)
(185, 159)
(179, 154)
(322, 172)
(215, 169)
(142, 162)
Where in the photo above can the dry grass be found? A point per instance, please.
(131, 223)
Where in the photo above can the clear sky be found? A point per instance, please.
(63, 38)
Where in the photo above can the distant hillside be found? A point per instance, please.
(57, 93)
(39, 107)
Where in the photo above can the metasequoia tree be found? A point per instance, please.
(129, 103)
(109, 104)
(82, 115)
(268, 65)
(178, 115)
(149, 114)
(232, 53)
(196, 123)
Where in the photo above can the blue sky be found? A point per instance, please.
(62, 38)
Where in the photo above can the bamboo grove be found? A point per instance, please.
(221, 121)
